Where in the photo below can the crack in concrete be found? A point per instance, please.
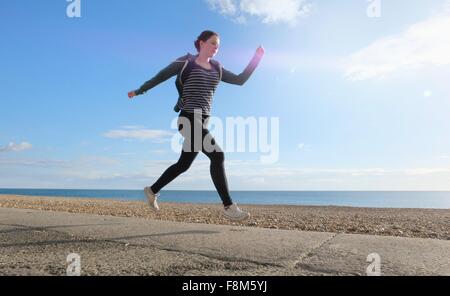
(209, 256)
(326, 271)
(87, 239)
(309, 253)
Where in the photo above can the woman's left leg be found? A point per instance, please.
(217, 167)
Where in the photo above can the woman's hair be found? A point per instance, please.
(204, 36)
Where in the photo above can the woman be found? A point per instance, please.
(198, 77)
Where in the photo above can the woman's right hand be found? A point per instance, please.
(260, 51)
(131, 94)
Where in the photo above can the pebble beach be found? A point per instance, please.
(419, 223)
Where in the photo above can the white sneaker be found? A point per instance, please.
(152, 198)
(235, 213)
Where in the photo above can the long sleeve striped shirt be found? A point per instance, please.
(199, 88)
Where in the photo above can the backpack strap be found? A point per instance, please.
(182, 71)
(218, 67)
(187, 66)
(187, 59)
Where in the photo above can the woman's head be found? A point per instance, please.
(208, 43)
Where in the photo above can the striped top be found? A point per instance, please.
(198, 89)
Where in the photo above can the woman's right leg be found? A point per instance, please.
(175, 170)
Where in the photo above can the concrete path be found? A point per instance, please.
(38, 242)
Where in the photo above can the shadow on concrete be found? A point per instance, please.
(43, 228)
(87, 240)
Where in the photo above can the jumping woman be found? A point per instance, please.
(197, 79)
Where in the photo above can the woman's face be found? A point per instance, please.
(211, 46)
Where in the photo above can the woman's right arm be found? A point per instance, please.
(230, 77)
(166, 73)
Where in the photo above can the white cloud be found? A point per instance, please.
(137, 133)
(421, 45)
(301, 145)
(270, 11)
(240, 20)
(255, 181)
(446, 8)
(34, 162)
(105, 172)
(94, 160)
(427, 171)
(16, 147)
(160, 151)
(427, 93)
(226, 7)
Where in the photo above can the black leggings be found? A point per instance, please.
(190, 126)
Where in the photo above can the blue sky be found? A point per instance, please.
(363, 102)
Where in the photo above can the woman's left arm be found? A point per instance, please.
(240, 79)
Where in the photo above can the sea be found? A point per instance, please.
(373, 199)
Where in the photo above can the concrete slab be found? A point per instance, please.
(264, 246)
(36, 242)
(348, 254)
